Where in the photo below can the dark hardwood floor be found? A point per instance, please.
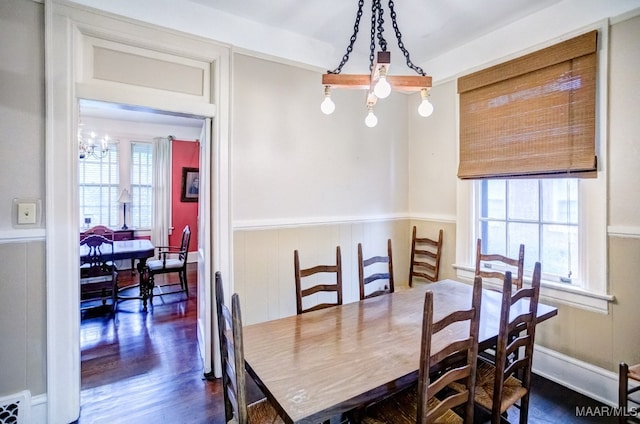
(145, 367)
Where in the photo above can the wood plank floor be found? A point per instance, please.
(145, 367)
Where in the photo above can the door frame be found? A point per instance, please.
(66, 26)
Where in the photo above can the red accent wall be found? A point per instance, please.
(184, 154)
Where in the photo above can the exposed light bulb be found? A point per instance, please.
(327, 106)
(382, 88)
(371, 120)
(426, 108)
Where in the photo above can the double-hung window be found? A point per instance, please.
(99, 188)
(127, 165)
(528, 170)
(542, 214)
(141, 184)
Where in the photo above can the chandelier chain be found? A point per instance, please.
(354, 36)
(410, 64)
(372, 45)
(381, 40)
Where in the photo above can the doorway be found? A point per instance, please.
(71, 75)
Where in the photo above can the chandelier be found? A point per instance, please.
(378, 81)
(92, 146)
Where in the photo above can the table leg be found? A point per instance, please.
(143, 273)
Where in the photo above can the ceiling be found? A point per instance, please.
(429, 28)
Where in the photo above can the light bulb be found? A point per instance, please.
(327, 106)
(371, 120)
(426, 108)
(382, 88)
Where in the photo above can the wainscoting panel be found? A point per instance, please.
(263, 260)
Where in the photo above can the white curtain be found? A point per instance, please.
(161, 222)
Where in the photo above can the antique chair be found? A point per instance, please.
(233, 372)
(483, 268)
(408, 406)
(100, 230)
(497, 387)
(98, 275)
(171, 260)
(375, 275)
(316, 272)
(425, 257)
(624, 392)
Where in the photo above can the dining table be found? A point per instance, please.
(319, 365)
(140, 249)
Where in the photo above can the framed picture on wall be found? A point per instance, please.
(190, 185)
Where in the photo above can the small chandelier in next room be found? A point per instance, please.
(92, 145)
(378, 81)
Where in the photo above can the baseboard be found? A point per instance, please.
(39, 409)
(582, 377)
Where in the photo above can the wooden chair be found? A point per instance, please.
(516, 263)
(376, 276)
(420, 404)
(100, 230)
(233, 371)
(171, 259)
(320, 287)
(497, 387)
(627, 373)
(98, 275)
(425, 257)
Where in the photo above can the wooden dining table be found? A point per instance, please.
(140, 249)
(316, 366)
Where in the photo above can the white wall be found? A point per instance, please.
(293, 164)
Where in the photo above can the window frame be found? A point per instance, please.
(594, 294)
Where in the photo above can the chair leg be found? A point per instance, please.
(622, 390)
(152, 284)
(183, 279)
(524, 409)
(114, 295)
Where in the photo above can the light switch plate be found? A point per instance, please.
(26, 213)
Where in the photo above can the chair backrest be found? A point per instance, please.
(625, 390)
(364, 280)
(462, 352)
(516, 263)
(232, 355)
(523, 326)
(97, 255)
(425, 257)
(184, 244)
(336, 287)
(100, 230)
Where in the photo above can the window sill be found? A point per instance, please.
(553, 292)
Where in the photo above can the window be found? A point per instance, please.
(141, 184)
(99, 189)
(529, 134)
(542, 214)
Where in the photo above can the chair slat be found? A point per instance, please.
(301, 273)
(425, 257)
(366, 277)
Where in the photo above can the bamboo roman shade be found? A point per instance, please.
(533, 116)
